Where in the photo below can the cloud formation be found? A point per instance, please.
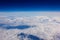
(41, 26)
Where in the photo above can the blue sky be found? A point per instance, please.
(29, 7)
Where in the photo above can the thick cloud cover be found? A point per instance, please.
(41, 27)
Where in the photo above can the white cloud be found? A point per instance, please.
(46, 27)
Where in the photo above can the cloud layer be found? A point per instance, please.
(40, 26)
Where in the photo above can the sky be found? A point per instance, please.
(29, 7)
(30, 13)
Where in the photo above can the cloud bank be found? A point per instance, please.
(43, 27)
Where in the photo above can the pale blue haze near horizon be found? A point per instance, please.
(30, 13)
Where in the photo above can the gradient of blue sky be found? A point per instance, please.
(29, 7)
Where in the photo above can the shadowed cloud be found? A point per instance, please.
(17, 27)
(29, 36)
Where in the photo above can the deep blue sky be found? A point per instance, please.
(29, 5)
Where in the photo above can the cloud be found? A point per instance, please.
(41, 26)
(28, 36)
